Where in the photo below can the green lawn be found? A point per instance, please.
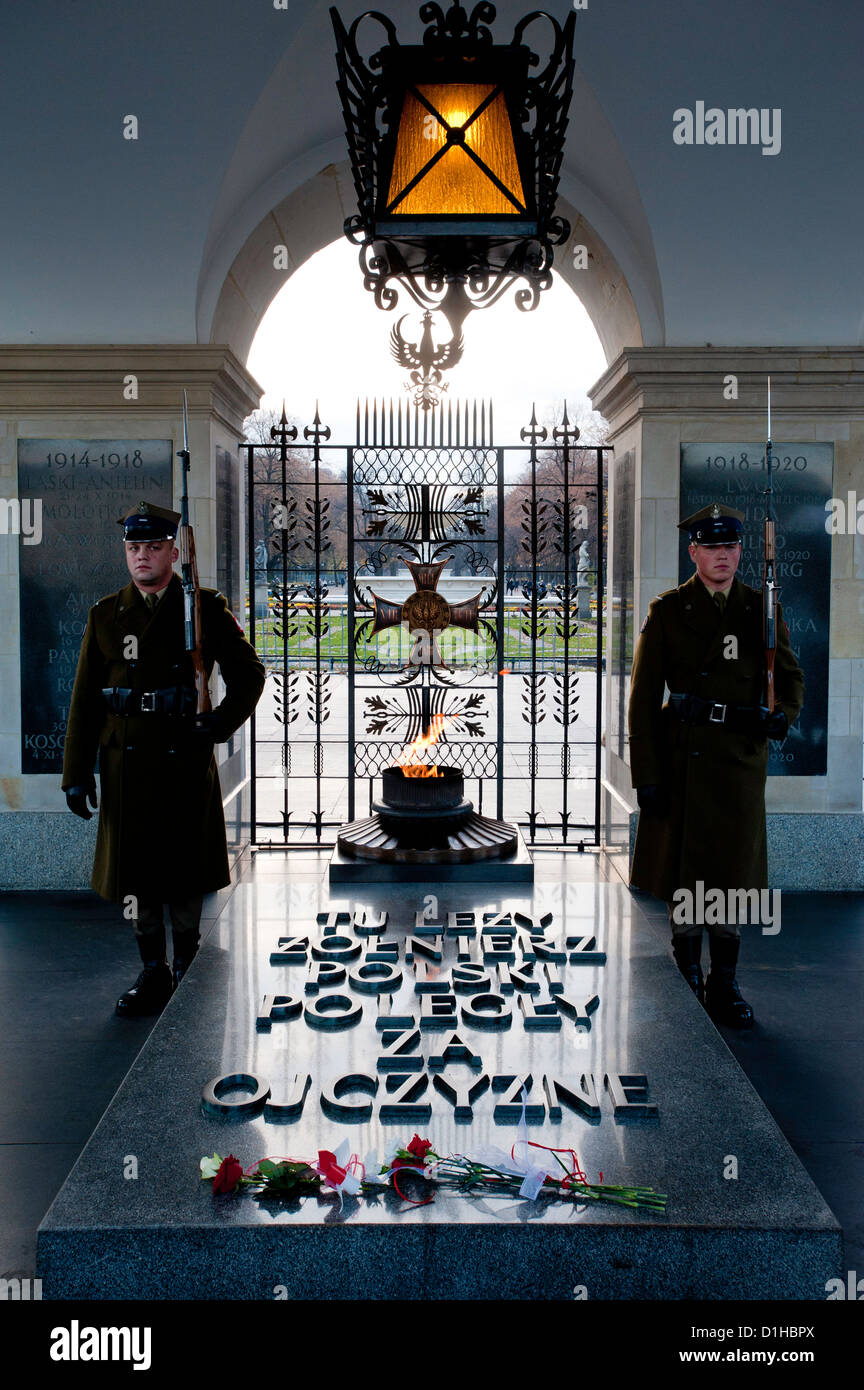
(455, 645)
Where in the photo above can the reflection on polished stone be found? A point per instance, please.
(314, 1013)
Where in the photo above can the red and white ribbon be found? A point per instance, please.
(340, 1170)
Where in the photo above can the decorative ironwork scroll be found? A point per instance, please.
(425, 573)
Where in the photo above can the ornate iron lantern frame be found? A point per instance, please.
(451, 261)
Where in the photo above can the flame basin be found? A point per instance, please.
(422, 793)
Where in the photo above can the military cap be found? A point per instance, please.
(713, 525)
(147, 522)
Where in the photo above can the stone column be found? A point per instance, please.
(131, 392)
(655, 399)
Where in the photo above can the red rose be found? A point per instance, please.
(228, 1175)
(419, 1148)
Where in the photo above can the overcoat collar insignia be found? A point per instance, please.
(130, 600)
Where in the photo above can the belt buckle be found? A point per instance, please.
(713, 717)
(148, 702)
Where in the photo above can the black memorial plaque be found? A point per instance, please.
(734, 474)
(83, 486)
(620, 656)
(228, 530)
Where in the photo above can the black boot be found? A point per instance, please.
(185, 951)
(687, 951)
(150, 992)
(180, 968)
(723, 998)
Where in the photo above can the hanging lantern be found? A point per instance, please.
(455, 147)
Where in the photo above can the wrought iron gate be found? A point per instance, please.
(426, 579)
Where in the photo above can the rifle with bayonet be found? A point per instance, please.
(769, 586)
(189, 579)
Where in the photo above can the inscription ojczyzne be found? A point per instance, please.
(436, 989)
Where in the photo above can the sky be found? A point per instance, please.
(323, 339)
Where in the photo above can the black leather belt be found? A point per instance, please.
(739, 719)
(175, 699)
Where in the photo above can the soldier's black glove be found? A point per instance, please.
(77, 798)
(653, 800)
(206, 728)
(773, 725)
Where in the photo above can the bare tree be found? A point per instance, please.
(582, 485)
(282, 514)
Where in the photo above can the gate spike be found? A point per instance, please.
(375, 420)
(391, 420)
(399, 420)
(449, 423)
(474, 429)
(366, 423)
(482, 422)
(357, 428)
(491, 433)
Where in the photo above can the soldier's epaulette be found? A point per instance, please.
(658, 598)
(107, 601)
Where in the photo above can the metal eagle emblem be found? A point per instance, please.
(425, 360)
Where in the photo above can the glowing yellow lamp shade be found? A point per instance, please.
(455, 184)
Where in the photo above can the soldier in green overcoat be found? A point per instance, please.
(699, 761)
(161, 836)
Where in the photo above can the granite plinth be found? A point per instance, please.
(763, 1234)
(822, 852)
(401, 1259)
(46, 849)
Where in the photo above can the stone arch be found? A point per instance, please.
(311, 217)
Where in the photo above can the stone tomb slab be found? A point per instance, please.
(634, 1077)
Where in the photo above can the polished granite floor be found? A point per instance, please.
(64, 959)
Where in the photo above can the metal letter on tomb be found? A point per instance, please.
(334, 1093)
(213, 1094)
